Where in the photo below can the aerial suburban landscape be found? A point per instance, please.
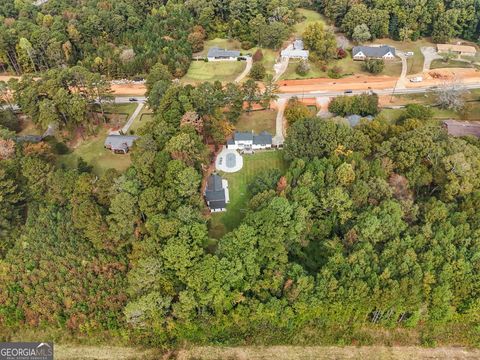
(225, 179)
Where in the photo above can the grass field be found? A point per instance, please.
(310, 17)
(392, 115)
(261, 120)
(439, 63)
(225, 71)
(348, 65)
(221, 223)
(93, 152)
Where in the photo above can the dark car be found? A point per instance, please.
(132, 99)
(348, 91)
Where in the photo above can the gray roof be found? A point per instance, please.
(216, 52)
(215, 193)
(120, 141)
(373, 51)
(263, 138)
(243, 136)
(298, 45)
(29, 138)
(354, 119)
(462, 128)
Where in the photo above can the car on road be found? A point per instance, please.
(132, 99)
(409, 53)
(348, 91)
(416, 79)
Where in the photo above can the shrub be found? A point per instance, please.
(258, 56)
(335, 72)
(417, 111)
(258, 71)
(295, 111)
(246, 45)
(9, 120)
(363, 105)
(341, 53)
(374, 66)
(303, 68)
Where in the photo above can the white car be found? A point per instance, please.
(409, 53)
(416, 79)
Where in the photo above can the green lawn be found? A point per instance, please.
(257, 121)
(225, 71)
(310, 17)
(221, 223)
(144, 117)
(93, 152)
(439, 63)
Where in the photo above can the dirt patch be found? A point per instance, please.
(129, 89)
(320, 353)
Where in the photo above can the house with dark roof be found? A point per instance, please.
(247, 140)
(384, 52)
(217, 54)
(216, 193)
(119, 144)
(354, 119)
(462, 128)
(29, 138)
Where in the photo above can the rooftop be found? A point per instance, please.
(215, 193)
(243, 136)
(120, 141)
(373, 51)
(215, 52)
(462, 128)
(263, 138)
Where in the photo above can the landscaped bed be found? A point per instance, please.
(238, 186)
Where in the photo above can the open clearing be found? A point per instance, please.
(238, 182)
(257, 121)
(93, 152)
(311, 17)
(224, 71)
(63, 352)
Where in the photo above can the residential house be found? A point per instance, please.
(354, 119)
(29, 138)
(247, 140)
(216, 193)
(457, 49)
(462, 128)
(295, 51)
(384, 52)
(119, 144)
(217, 54)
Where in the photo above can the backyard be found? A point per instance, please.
(238, 182)
(310, 17)
(257, 121)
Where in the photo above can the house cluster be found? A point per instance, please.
(119, 144)
(384, 52)
(295, 51)
(249, 141)
(216, 193)
(217, 54)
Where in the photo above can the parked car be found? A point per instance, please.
(348, 92)
(416, 79)
(132, 99)
(409, 53)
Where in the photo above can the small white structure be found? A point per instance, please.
(246, 140)
(216, 193)
(384, 52)
(295, 51)
(217, 54)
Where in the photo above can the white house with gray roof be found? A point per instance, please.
(216, 193)
(384, 52)
(247, 140)
(295, 51)
(217, 54)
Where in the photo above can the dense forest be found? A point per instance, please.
(371, 229)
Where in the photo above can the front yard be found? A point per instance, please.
(224, 71)
(221, 223)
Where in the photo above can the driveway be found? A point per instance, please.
(403, 76)
(430, 54)
(129, 123)
(247, 69)
(279, 138)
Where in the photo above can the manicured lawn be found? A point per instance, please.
(128, 108)
(144, 117)
(221, 223)
(439, 63)
(310, 18)
(93, 152)
(257, 121)
(225, 71)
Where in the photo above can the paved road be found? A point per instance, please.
(246, 71)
